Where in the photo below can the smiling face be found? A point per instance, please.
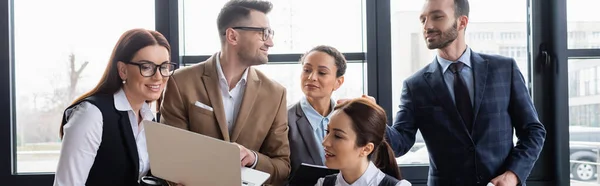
(341, 151)
(440, 25)
(251, 45)
(318, 78)
(144, 88)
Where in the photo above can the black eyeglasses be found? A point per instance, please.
(148, 69)
(266, 32)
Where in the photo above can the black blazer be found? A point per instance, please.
(117, 160)
(303, 145)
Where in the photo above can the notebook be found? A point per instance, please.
(308, 174)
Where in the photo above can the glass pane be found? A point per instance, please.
(288, 75)
(490, 30)
(584, 120)
(583, 26)
(298, 25)
(70, 32)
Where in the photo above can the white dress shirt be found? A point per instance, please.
(232, 99)
(371, 177)
(466, 73)
(83, 136)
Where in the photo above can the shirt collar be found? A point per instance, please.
(365, 178)
(122, 104)
(310, 110)
(464, 58)
(222, 75)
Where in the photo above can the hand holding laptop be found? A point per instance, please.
(195, 166)
(247, 157)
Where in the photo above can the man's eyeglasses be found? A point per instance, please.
(148, 69)
(266, 32)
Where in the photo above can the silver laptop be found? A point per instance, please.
(190, 158)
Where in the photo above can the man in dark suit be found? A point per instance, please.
(466, 105)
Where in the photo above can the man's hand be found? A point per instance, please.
(509, 178)
(246, 156)
(340, 101)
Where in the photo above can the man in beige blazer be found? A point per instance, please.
(226, 98)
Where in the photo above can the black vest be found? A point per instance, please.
(117, 160)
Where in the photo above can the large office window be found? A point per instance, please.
(42, 39)
(583, 32)
(60, 51)
(487, 20)
(582, 26)
(584, 120)
(299, 26)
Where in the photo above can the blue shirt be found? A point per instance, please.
(317, 122)
(466, 73)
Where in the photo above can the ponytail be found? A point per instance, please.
(384, 160)
(369, 122)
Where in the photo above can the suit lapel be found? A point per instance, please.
(211, 84)
(480, 71)
(130, 144)
(252, 88)
(435, 79)
(307, 134)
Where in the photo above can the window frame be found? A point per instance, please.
(379, 82)
(8, 172)
(565, 54)
(8, 129)
(548, 27)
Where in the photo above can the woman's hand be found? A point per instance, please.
(340, 101)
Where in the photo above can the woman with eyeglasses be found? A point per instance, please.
(103, 141)
(355, 145)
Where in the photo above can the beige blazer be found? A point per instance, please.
(261, 123)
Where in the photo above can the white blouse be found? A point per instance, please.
(83, 136)
(371, 177)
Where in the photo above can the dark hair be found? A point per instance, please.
(369, 122)
(236, 11)
(340, 60)
(128, 45)
(461, 8)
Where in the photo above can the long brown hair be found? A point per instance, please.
(128, 45)
(369, 122)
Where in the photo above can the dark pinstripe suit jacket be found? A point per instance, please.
(461, 157)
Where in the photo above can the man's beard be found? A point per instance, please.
(446, 37)
(250, 58)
